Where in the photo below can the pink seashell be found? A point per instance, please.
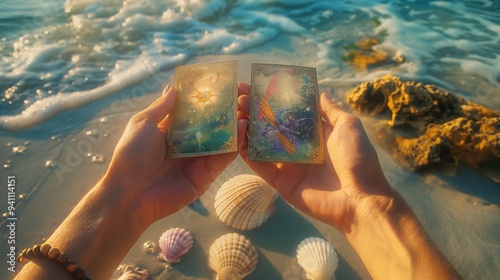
(174, 243)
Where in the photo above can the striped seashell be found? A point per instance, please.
(174, 243)
(245, 202)
(232, 257)
(318, 258)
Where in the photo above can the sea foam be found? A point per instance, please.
(90, 49)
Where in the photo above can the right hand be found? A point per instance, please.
(331, 192)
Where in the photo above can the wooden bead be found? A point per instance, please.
(62, 258)
(21, 259)
(79, 273)
(53, 253)
(44, 249)
(71, 266)
(23, 253)
(36, 250)
(29, 253)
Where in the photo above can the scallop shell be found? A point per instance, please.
(232, 257)
(318, 258)
(245, 202)
(174, 243)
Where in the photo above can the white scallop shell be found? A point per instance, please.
(318, 258)
(232, 257)
(174, 243)
(245, 202)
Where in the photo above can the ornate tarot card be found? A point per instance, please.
(285, 123)
(204, 119)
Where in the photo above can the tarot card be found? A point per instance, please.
(204, 119)
(285, 123)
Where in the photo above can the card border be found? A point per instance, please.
(320, 159)
(231, 148)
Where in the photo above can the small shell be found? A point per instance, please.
(245, 202)
(149, 246)
(130, 274)
(318, 258)
(232, 257)
(174, 243)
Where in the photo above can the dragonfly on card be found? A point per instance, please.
(286, 131)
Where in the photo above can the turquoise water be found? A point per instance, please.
(60, 55)
(62, 62)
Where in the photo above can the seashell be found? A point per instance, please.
(245, 202)
(174, 243)
(318, 258)
(130, 274)
(149, 246)
(232, 257)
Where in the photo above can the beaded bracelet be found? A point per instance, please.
(45, 250)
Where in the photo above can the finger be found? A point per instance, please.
(243, 89)
(217, 163)
(266, 171)
(330, 110)
(202, 171)
(242, 133)
(163, 125)
(162, 106)
(243, 106)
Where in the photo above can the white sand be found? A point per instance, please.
(461, 213)
(276, 241)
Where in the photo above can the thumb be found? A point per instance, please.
(330, 110)
(162, 106)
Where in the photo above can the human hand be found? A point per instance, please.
(151, 184)
(350, 192)
(329, 192)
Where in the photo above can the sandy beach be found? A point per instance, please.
(73, 172)
(459, 212)
(57, 160)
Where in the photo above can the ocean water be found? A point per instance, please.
(62, 57)
(57, 55)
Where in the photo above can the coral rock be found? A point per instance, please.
(446, 128)
(362, 55)
(461, 139)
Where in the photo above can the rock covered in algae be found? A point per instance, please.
(445, 127)
(362, 54)
(468, 141)
(414, 103)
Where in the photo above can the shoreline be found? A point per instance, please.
(460, 213)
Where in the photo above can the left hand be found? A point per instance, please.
(153, 185)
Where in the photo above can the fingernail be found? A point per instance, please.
(166, 89)
(329, 97)
(335, 100)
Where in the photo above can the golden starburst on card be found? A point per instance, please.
(202, 97)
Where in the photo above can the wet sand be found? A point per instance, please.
(461, 213)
